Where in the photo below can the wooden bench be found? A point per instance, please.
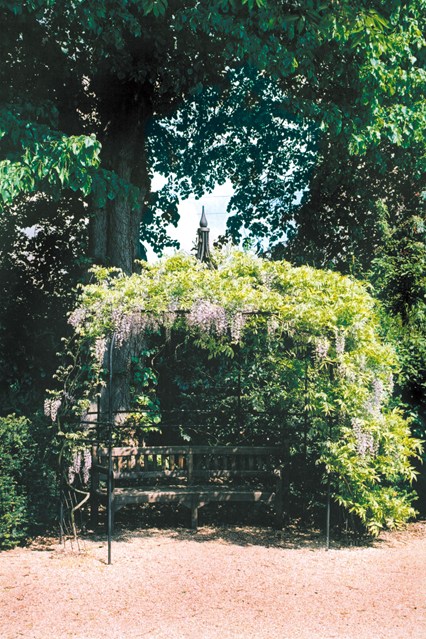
(189, 475)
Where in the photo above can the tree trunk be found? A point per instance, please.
(114, 230)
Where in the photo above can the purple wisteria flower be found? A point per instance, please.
(86, 466)
(375, 401)
(123, 326)
(237, 326)
(272, 325)
(365, 442)
(77, 317)
(362, 362)
(99, 350)
(136, 323)
(378, 392)
(51, 408)
(75, 467)
(321, 348)
(80, 466)
(208, 316)
(340, 343)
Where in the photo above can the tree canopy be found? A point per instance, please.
(100, 95)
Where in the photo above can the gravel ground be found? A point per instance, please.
(218, 583)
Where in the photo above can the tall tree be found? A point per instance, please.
(99, 95)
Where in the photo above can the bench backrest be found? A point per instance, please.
(189, 462)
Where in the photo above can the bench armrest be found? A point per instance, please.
(101, 470)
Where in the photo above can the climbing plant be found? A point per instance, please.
(308, 342)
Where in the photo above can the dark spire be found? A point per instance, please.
(203, 248)
(203, 221)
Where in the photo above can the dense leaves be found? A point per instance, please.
(202, 93)
(399, 276)
(27, 483)
(41, 257)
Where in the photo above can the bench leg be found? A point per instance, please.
(94, 510)
(194, 517)
(279, 514)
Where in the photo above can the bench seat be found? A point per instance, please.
(192, 476)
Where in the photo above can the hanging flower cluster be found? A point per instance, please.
(238, 322)
(213, 318)
(340, 343)
(208, 316)
(377, 396)
(100, 350)
(80, 467)
(273, 326)
(77, 317)
(51, 408)
(321, 348)
(365, 442)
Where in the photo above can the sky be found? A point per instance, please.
(190, 210)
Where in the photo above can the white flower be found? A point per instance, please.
(340, 343)
(80, 465)
(86, 466)
(374, 403)
(127, 325)
(77, 317)
(75, 467)
(321, 348)
(272, 325)
(237, 326)
(51, 408)
(208, 316)
(99, 350)
(365, 441)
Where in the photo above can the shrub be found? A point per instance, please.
(16, 451)
(27, 478)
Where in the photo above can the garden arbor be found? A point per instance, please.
(252, 352)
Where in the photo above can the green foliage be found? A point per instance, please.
(97, 96)
(373, 487)
(398, 274)
(46, 161)
(41, 259)
(15, 454)
(234, 81)
(307, 342)
(27, 478)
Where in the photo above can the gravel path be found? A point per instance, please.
(219, 583)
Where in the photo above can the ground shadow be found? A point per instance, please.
(227, 524)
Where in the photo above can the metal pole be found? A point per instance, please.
(60, 485)
(305, 420)
(305, 435)
(110, 466)
(327, 527)
(328, 516)
(61, 513)
(239, 415)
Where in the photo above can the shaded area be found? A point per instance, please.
(226, 522)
